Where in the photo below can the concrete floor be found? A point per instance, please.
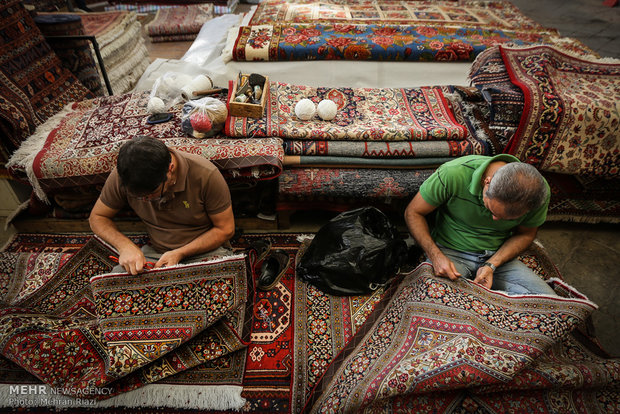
(587, 255)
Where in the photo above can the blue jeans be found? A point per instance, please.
(513, 277)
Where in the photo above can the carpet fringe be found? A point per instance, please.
(116, 32)
(303, 237)
(26, 153)
(117, 51)
(215, 397)
(576, 293)
(124, 76)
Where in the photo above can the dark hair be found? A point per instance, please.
(142, 164)
(519, 186)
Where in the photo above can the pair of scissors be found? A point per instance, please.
(147, 265)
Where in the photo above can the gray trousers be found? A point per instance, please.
(152, 256)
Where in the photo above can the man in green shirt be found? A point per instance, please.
(487, 211)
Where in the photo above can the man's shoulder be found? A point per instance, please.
(461, 167)
(197, 161)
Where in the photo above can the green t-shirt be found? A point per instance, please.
(462, 222)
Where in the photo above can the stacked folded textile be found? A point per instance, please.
(124, 52)
(380, 146)
(219, 6)
(179, 23)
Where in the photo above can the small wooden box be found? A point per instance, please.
(248, 110)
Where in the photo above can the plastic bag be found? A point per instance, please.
(205, 117)
(354, 253)
(168, 88)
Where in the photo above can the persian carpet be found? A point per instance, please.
(337, 189)
(500, 15)
(146, 316)
(75, 54)
(571, 118)
(80, 148)
(467, 106)
(364, 114)
(34, 85)
(583, 199)
(298, 333)
(180, 20)
(122, 46)
(361, 162)
(59, 314)
(370, 42)
(488, 73)
(437, 336)
(379, 149)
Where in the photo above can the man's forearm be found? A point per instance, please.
(207, 241)
(511, 248)
(105, 228)
(418, 228)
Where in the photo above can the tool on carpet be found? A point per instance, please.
(147, 265)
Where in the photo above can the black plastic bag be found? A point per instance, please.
(353, 254)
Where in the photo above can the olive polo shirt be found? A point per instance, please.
(183, 213)
(462, 222)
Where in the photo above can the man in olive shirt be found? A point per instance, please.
(182, 199)
(487, 211)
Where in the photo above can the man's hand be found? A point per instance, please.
(484, 276)
(132, 259)
(170, 258)
(444, 267)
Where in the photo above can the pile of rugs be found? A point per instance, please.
(122, 46)
(151, 6)
(72, 152)
(383, 31)
(178, 23)
(75, 54)
(35, 85)
(420, 344)
(560, 113)
(120, 41)
(380, 147)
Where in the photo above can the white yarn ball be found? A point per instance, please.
(327, 109)
(156, 105)
(305, 109)
(215, 108)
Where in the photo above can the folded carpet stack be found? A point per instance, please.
(179, 23)
(219, 6)
(122, 46)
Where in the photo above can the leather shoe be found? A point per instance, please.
(261, 248)
(273, 268)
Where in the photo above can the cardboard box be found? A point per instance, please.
(248, 110)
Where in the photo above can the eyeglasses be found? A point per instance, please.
(152, 197)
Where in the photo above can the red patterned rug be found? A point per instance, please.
(74, 54)
(170, 23)
(34, 85)
(364, 114)
(441, 344)
(80, 148)
(571, 118)
(465, 342)
(501, 15)
(79, 338)
(380, 42)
